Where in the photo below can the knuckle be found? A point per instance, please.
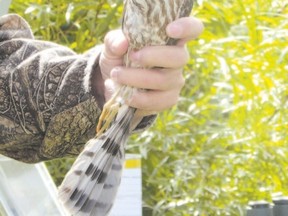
(168, 100)
(183, 57)
(177, 82)
(173, 100)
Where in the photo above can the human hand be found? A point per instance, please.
(163, 82)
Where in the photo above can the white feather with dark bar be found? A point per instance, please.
(91, 185)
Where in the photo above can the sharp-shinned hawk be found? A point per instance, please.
(91, 185)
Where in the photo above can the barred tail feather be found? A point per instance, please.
(90, 187)
(111, 187)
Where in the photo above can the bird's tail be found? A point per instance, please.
(90, 187)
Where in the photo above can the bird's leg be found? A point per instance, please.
(111, 108)
(108, 114)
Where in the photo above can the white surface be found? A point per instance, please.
(129, 198)
(4, 6)
(28, 190)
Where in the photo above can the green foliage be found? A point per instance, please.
(224, 144)
(77, 24)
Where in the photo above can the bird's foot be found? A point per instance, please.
(108, 115)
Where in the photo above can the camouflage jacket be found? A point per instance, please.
(50, 97)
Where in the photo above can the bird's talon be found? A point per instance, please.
(107, 116)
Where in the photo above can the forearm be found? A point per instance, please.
(44, 87)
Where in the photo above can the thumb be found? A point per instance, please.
(115, 46)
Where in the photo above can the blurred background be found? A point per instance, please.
(226, 141)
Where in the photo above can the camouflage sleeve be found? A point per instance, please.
(50, 97)
(48, 107)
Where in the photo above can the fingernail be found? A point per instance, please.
(174, 30)
(114, 73)
(115, 46)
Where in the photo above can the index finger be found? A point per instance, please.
(185, 29)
